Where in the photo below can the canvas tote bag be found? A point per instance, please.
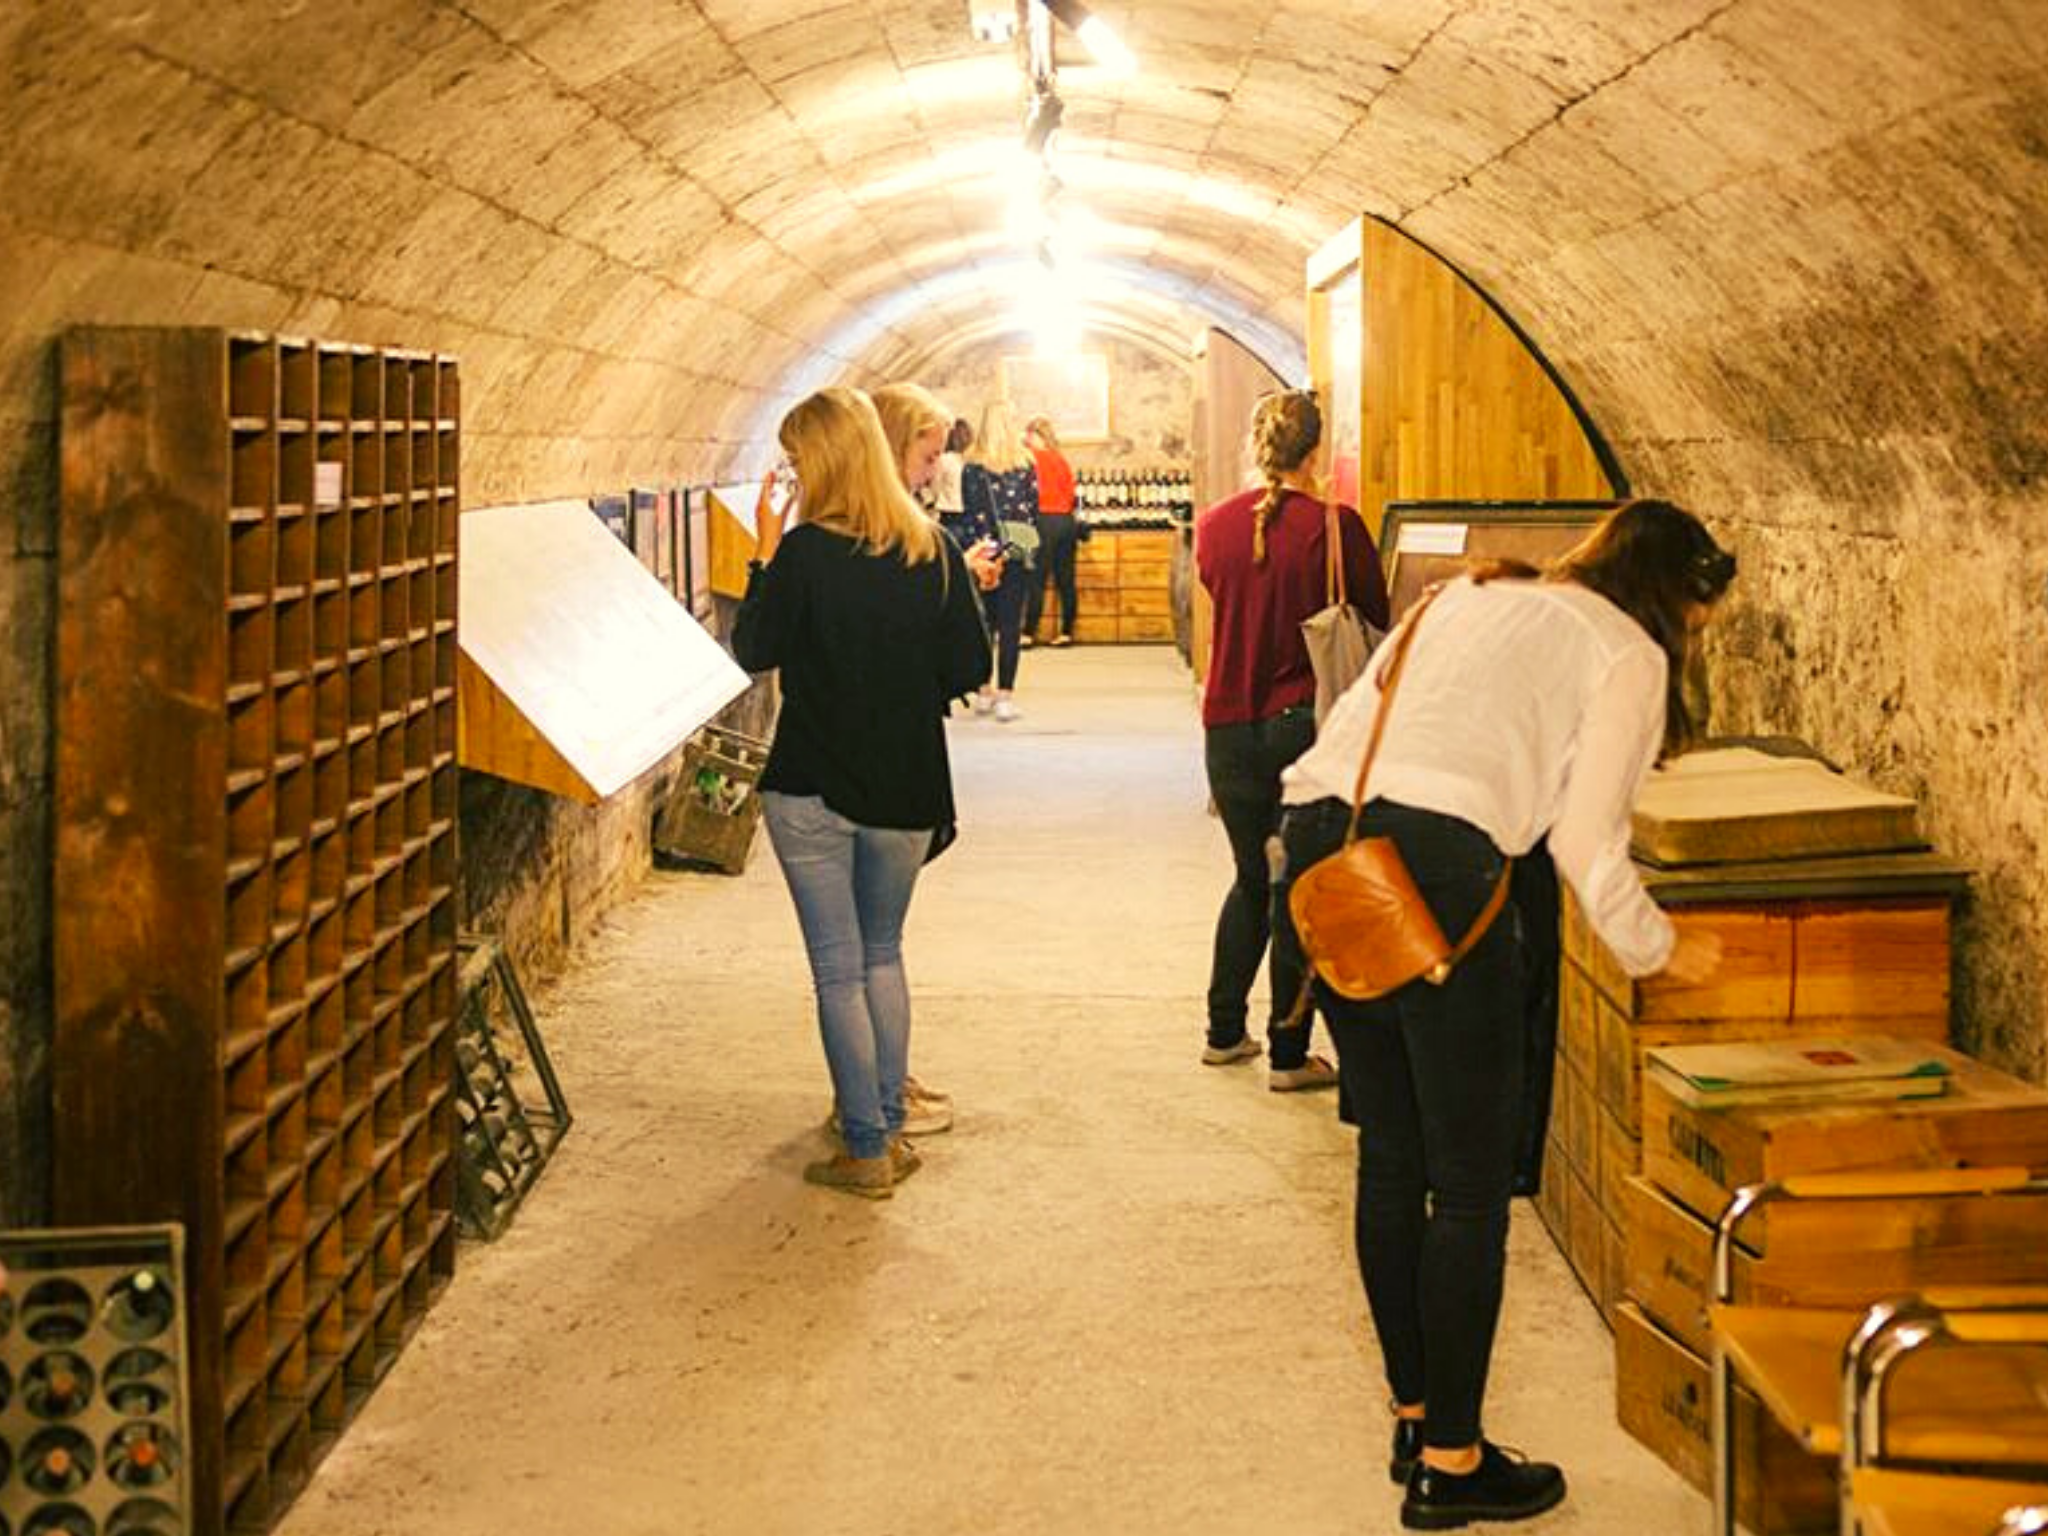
(1339, 639)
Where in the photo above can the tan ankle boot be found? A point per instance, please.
(873, 1178)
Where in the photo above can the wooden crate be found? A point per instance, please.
(1621, 1159)
(1790, 968)
(255, 862)
(1663, 1399)
(1700, 1157)
(1123, 589)
(1828, 1254)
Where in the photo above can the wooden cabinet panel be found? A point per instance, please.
(256, 751)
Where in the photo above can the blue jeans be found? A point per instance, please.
(851, 885)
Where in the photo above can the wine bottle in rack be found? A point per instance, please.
(141, 1455)
(56, 1461)
(56, 1386)
(139, 1306)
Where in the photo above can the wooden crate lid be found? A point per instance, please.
(1850, 877)
(1973, 1087)
(1737, 804)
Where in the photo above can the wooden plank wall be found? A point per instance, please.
(1229, 379)
(1455, 403)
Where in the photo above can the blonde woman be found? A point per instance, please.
(868, 611)
(999, 489)
(920, 431)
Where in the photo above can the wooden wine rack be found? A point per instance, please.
(255, 877)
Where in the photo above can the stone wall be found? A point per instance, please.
(1151, 399)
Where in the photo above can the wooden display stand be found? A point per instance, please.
(1123, 581)
(256, 863)
(580, 671)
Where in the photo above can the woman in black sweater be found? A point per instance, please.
(869, 611)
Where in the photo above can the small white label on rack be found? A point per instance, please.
(1432, 539)
(327, 483)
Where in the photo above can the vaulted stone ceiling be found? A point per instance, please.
(645, 222)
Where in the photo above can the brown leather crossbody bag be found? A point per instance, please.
(1363, 925)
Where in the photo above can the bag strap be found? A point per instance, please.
(1333, 552)
(1390, 681)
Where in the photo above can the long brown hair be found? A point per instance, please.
(1654, 561)
(1286, 428)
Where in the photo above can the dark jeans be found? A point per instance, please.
(1435, 1079)
(1244, 763)
(1004, 605)
(1056, 544)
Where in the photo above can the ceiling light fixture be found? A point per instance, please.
(992, 21)
(1097, 36)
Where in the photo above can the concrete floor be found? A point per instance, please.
(1119, 1298)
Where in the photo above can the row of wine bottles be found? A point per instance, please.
(1167, 491)
(57, 1461)
(58, 1310)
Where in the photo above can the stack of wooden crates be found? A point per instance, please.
(1816, 946)
(1123, 591)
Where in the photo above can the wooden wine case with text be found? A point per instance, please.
(1842, 947)
(256, 861)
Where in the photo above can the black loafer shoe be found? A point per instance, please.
(1407, 1449)
(1501, 1487)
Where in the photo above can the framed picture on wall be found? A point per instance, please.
(1071, 388)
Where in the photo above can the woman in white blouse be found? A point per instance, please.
(1531, 705)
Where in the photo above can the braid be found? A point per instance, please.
(1286, 429)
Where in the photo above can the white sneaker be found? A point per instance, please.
(983, 703)
(1006, 711)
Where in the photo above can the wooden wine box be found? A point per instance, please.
(1701, 1156)
(1123, 593)
(255, 861)
(1828, 1254)
(1663, 1399)
(1809, 947)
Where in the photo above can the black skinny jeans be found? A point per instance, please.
(1435, 1079)
(1056, 545)
(1004, 605)
(1244, 763)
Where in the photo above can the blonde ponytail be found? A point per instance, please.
(1286, 428)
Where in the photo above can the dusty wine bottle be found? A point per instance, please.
(56, 1385)
(56, 1461)
(139, 1306)
(58, 1520)
(141, 1455)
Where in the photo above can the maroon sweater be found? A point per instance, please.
(1258, 665)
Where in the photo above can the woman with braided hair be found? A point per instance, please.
(1262, 556)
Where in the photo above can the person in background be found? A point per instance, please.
(1057, 530)
(868, 610)
(918, 429)
(945, 487)
(1261, 554)
(999, 491)
(1528, 705)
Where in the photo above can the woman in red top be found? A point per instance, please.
(1056, 529)
(1261, 555)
